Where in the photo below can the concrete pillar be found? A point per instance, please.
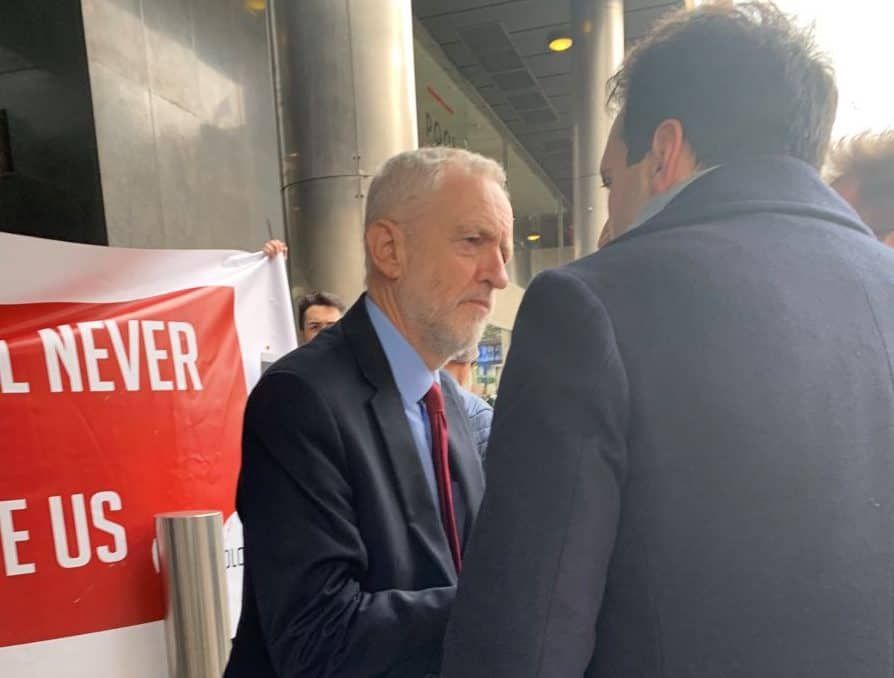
(345, 86)
(598, 30)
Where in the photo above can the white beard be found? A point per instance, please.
(438, 335)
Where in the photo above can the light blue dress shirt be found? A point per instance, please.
(413, 379)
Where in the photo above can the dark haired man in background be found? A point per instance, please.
(316, 312)
(700, 481)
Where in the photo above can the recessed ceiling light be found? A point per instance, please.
(560, 42)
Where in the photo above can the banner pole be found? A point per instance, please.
(197, 623)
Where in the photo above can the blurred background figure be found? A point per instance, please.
(462, 368)
(316, 312)
(861, 169)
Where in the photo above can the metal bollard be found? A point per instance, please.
(197, 622)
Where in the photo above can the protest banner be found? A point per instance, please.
(123, 379)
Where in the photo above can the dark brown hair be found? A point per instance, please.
(317, 298)
(743, 80)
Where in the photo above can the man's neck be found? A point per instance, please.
(658, 202)
(385, 299)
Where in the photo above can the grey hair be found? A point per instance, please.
(408, 177)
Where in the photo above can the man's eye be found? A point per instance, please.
(474, 239)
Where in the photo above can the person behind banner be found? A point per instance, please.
(699, 482)
(317, 311)
(360, 478)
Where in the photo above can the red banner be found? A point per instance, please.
(109, 413)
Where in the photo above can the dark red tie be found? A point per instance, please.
(434, 405)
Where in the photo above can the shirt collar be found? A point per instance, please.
(411, 374)
(662, 200)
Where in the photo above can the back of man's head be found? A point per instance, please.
(742, 80)
(861, 169)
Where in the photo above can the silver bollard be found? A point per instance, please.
(197, 621)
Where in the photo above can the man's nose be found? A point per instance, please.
(495, 270)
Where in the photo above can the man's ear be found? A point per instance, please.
(671, 156)
(386, 248)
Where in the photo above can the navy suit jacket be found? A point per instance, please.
(347, 571)
(691, 468)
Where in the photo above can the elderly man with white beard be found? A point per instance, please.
(360, 478)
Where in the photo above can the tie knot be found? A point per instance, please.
(434, 399)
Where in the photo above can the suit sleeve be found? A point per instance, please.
(535, 569)
(304, 553)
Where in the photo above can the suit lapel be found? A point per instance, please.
(465, 465)
(419, 507)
